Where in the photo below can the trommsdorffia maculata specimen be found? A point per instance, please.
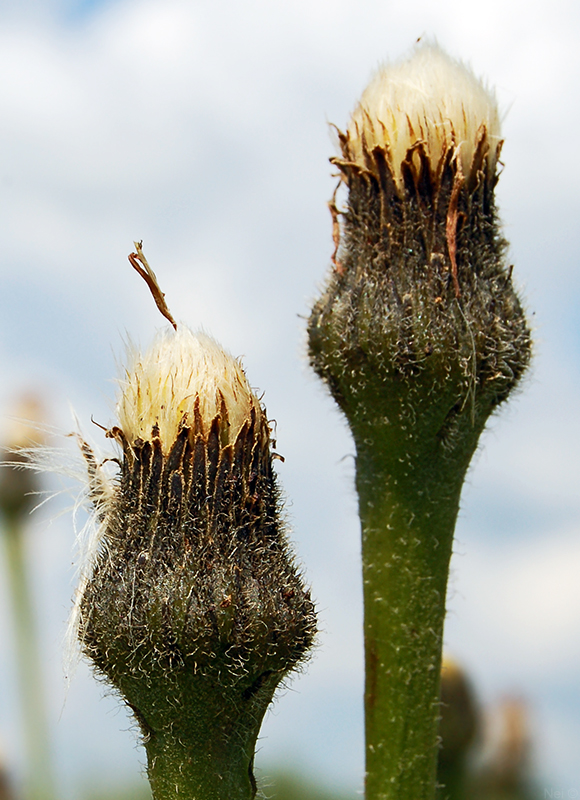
(193, 609)
(419, 335)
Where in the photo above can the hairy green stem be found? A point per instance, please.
(182, 768)
(200, 736)
(40, 782)
(408, 516)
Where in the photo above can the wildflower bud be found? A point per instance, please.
(459, 716)
(193, 609)
(18, 483)
(19, 490)
(419, 293)
(506, 770)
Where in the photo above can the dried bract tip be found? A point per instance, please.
(431, 108)
(184, 379)
(141, 265)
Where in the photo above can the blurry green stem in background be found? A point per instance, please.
(17, 486)
(458, 727)
(30, 674)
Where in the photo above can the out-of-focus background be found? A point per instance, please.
(201, 127)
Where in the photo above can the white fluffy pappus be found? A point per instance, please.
(430, 98)
(161, 387)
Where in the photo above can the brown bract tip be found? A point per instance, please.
(140, 264)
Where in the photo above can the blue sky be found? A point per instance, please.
(202, 129)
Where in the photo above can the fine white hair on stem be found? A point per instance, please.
(178, 371)
(429, 98)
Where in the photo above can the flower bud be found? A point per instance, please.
(459, 724)
(420, 285)
(507, 761)
(459, 721)
(18, 481)
(428, 108)
(194, 608)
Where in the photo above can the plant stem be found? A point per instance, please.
(408, 517)
(40, 783)
(181, 768)
(200, 737)
(451, 778)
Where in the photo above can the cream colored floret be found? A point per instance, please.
(429, 97)
(162, 386)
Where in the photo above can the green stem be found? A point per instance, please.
(451, 779)
(200, 736)
(40, 783)
(408, 509)
(181, 768)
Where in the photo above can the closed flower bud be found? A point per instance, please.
(420, 284)
(194, 608)
(458, 727)
(18, 480)
(459, 713)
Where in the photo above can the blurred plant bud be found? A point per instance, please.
(459, 714)
(18, 483)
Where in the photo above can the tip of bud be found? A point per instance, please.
(431, 100)
(183, 375)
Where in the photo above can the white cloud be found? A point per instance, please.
(519, 602)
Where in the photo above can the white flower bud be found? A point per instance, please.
(431, 99)
(181, 372)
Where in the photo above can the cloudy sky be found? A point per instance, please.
(201, 127)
